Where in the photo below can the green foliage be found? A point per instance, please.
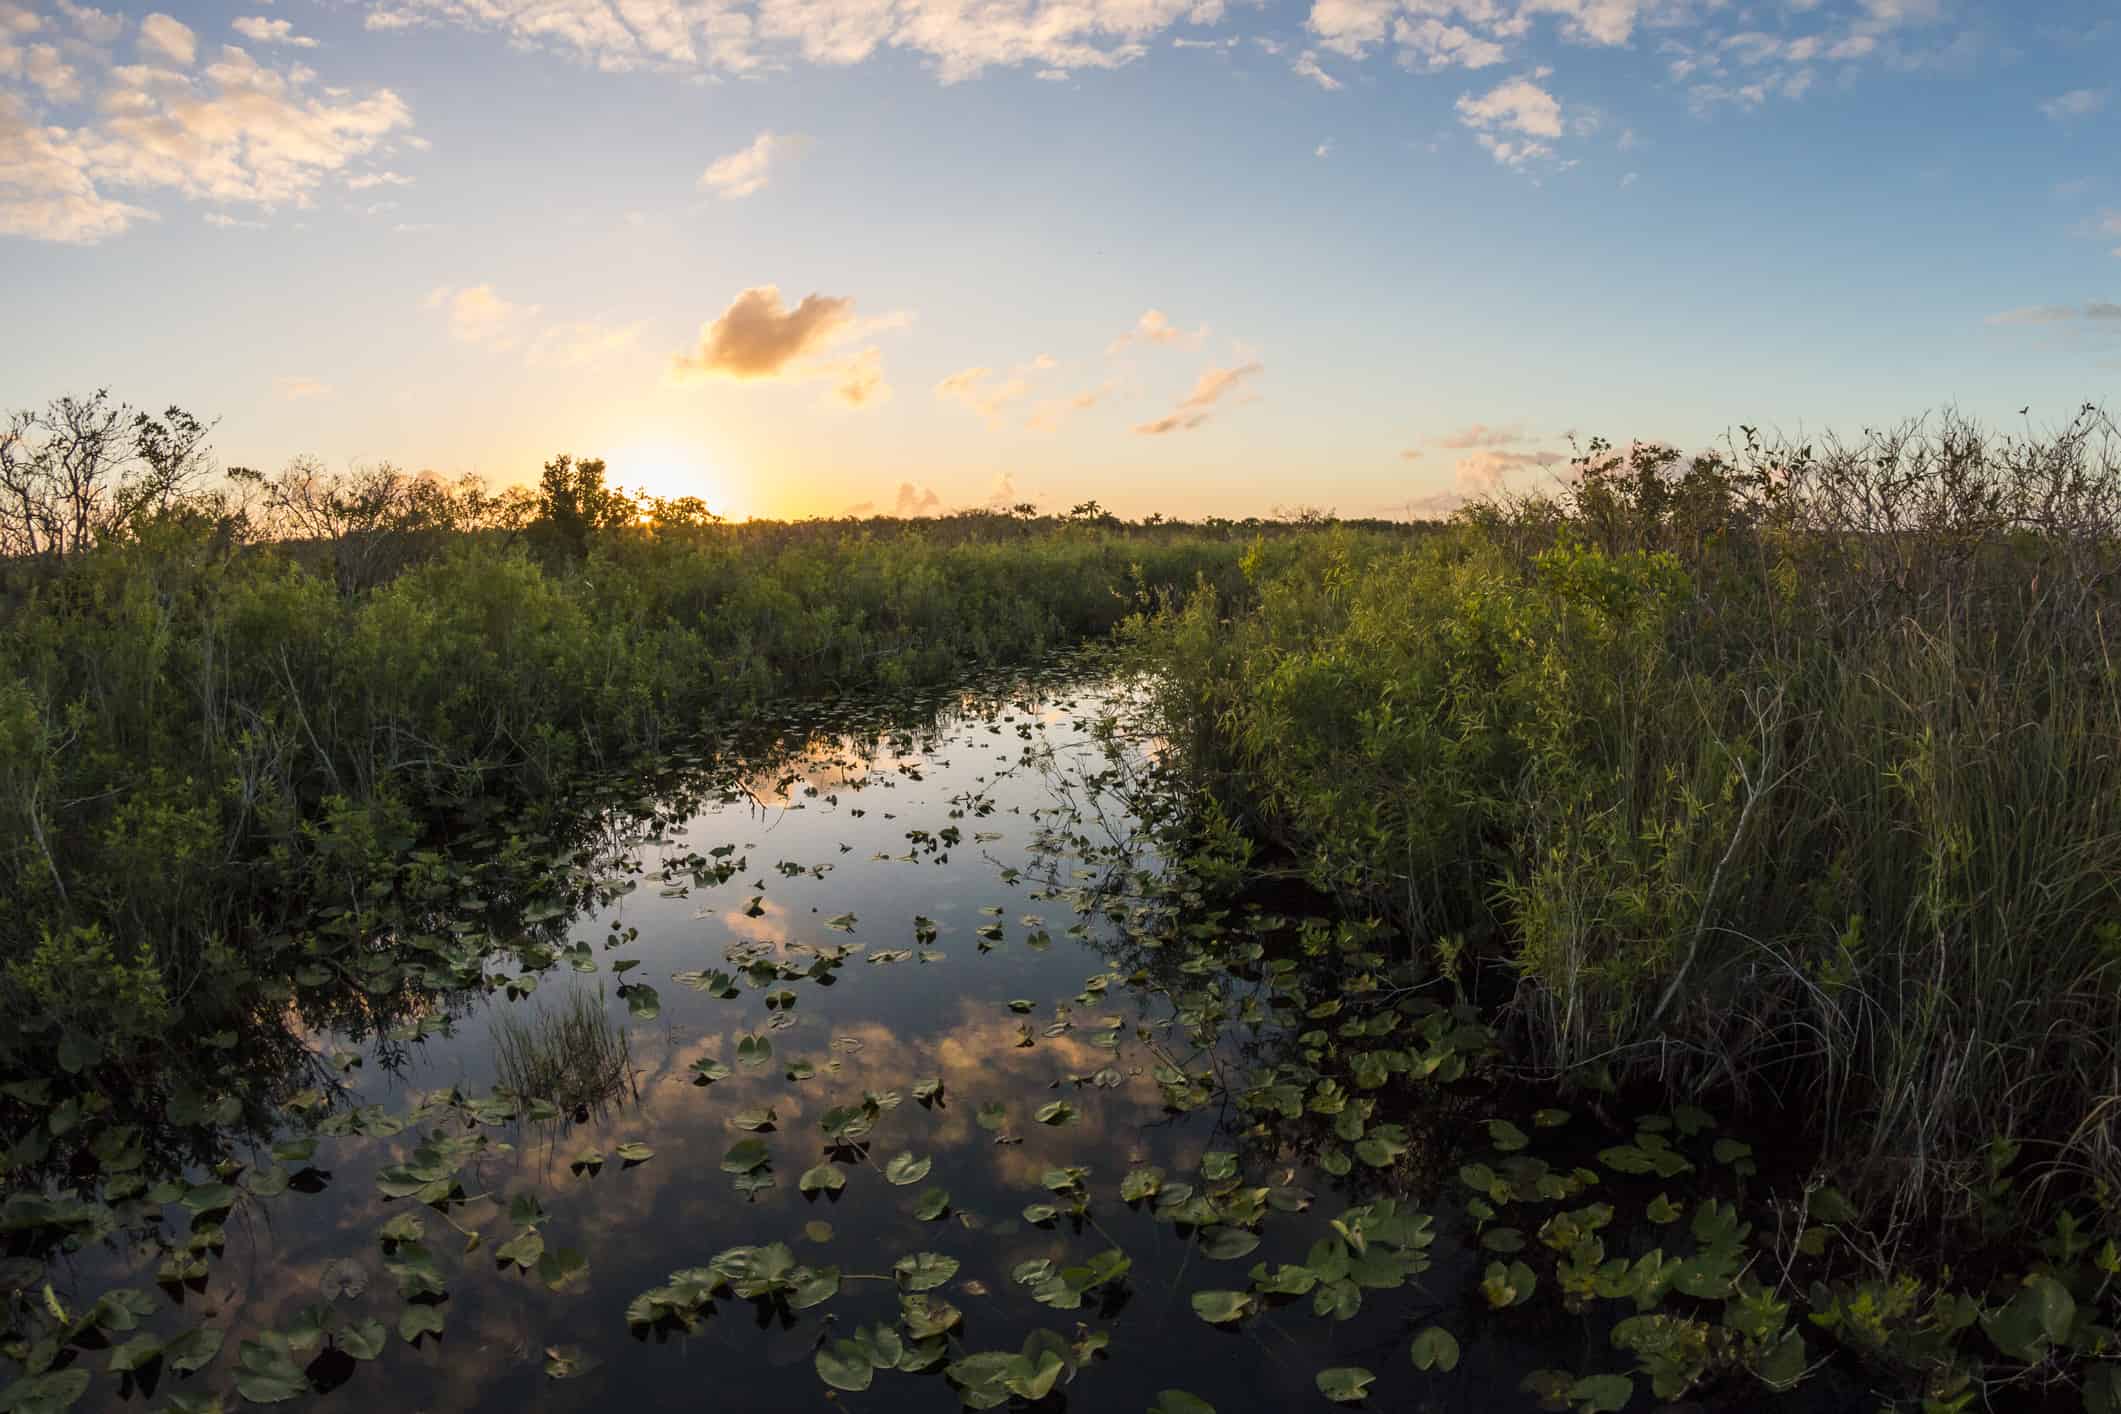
(1796, 762)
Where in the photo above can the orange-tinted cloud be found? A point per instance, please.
(1196, 406)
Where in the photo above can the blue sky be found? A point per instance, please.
(1197, 256)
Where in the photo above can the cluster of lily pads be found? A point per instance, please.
(1337, 1060)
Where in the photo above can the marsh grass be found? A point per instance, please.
(574, 1055)
(1790, 774)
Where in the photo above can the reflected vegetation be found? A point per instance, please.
(907, 1058)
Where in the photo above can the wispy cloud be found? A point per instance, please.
(582, 342)
(478, 315)
(260, 30)
(2075, 104)
(295, 389)
(1480, 434)
(1155, 327)
(1208, 390)
(746, 171)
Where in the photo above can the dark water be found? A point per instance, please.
(1004, 770)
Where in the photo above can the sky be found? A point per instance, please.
(820, 257)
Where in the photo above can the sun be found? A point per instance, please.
(670, 470)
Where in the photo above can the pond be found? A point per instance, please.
(888, 1064)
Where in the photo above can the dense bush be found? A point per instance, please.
(1794, 772)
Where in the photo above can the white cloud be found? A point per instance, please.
(222, 221)
(46, 190)
(95, 26)
(294, 389)
(2075, 104)
(363, 181)
(1196, 407)
(236, 133)
(1306, 66)
(743, 172)
(958, 39)
(264, 31)
(1433, 45)
(1519, 105)
(58, 79)
(162, 37)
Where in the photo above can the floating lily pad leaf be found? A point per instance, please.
(993, 1115)
(1502, 1239)
(49, 1392)
(927, 1316)
(1506, 1136)
(1663, 1210)
(1220, 1307)
(753, 1051)
(1383, 1146)
(1022, 1006)
(643, 1001)
(1056, 1112)
(204, 1198)
(924, 1271)
(825, 1178)
(755, 1119)
(933, 1203)
(745, 1156)
(1508, 1285)
(1177, 1401)
(928, 1091)
(267, 1374)
(1141, 1183)
(1227, 1244)
(194, 1350)
(1601, 1394)
(135, 1354)
(566, 1362)
(907, 1169)
(1038, 1214)
(589, 1161)
(416, 1321)
(1345, 1384)
(1435, 1349)
(800, 1070)
(563, 1270)
(633, 1151)
(405, 1227)
(524, 1249)
(708, 1070)
(841, 922)
(363, 1340)
(844, 1364)
(817, 1231)
(1218, 1165)
(1550, 1119)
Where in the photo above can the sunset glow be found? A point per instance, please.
(1177, 256)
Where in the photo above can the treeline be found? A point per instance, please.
(1791, 773)
(225, 700)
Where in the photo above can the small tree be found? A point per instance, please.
(83, 471)
(575, 503)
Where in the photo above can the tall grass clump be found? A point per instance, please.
(573, 1055)
(1791, 773)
